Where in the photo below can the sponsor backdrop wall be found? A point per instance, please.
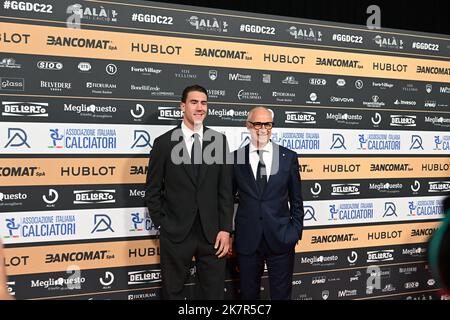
(367, 111)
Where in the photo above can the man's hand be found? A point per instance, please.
(230, 249)
(222, 244)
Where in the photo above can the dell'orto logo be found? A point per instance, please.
(380, 255)
(170, 113)
(17, 138)
(439, 186)
(24, 109)
(144, 276)
(94, 196)
(403, 121)
(345, 189)
(300, 117)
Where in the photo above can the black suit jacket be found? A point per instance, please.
(277, 212)
(174, 196)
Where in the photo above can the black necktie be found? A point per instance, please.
(261, 174)
(196, 154)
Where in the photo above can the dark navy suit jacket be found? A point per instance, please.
(277, 212)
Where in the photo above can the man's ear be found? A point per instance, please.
(182, 106)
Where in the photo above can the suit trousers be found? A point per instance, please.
(280, 268)
(176, 260)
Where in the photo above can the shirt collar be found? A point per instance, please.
(267, 148)
(188, 132)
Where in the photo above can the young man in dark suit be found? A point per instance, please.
(189, 197)
(269, 218)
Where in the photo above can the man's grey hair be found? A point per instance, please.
(250, 113)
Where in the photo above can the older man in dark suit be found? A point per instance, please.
(269, 218)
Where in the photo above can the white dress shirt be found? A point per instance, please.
(266, 156)
(188, 138)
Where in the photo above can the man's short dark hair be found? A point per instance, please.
(194, 87)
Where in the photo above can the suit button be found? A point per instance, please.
(260, 218)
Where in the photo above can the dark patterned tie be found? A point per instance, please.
(261, 173)
(196, 154)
